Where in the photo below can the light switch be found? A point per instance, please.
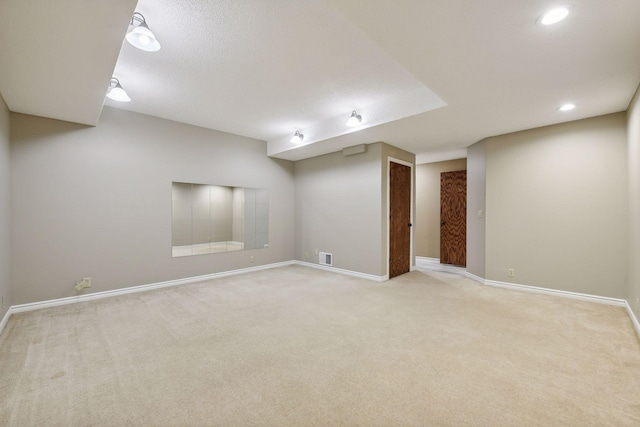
(480, 213)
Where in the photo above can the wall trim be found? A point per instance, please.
(419, 265)
(20, 308)
(426, 263)
(429, 262)
(5, 319)
(141, 288)
(474, 278)
(344, 272)
(618, 302)
(634, 319)
(566, 294)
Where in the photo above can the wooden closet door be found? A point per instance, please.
(453, 218)
(399, 219)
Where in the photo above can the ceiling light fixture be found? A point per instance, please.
(140, 35)
(355, 119)
(554, 16)
(567, 107)
(116, 92)
(297, 137)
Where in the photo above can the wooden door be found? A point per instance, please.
(453, 218)
(399, 219)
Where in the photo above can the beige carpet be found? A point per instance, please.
(295, 346)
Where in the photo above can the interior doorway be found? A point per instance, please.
(400, 217)
(453, 218)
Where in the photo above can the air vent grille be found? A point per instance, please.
(326, 258)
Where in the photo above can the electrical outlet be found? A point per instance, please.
(511, 272)
(251, 259)
(316, 252)
(85, 283)
(3, 305)
(306, 255)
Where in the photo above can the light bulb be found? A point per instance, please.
(355, 119)
(142, 38)
(297, 138)
(116, 92)
(554, 16)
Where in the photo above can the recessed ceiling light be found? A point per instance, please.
(554, 16)
(567, 107)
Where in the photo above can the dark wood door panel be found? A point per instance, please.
(399, 219)
(453, 218)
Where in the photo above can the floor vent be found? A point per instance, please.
(325, 258)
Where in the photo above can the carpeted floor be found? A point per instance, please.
(295, 346)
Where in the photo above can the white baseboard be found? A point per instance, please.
(142, 288)
(426, 259)
(633, 317)
(345, 272)
(474, 277)
(420, 262)
(5, 319)
(563, 294)
(433, 264)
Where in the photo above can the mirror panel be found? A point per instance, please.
(213, 218)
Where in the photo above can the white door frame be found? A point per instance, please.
(410, 165)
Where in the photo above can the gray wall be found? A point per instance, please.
(427, 224)
(476, 201)
(633, 148)
(96, 201)
(557, 206)
(5, 201)
(338, 201)
(341, 208)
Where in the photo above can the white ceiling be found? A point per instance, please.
(56, 56)
(428, 76)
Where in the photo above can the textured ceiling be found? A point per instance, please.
(263, 69)
(428, 76)
(56, 56)
(497, 70)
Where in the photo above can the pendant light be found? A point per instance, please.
(116, 92)
(297, 137)
(141, 36)
(355, 119)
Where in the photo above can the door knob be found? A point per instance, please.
(443, 223)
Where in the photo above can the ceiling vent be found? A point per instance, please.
(325, 258)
